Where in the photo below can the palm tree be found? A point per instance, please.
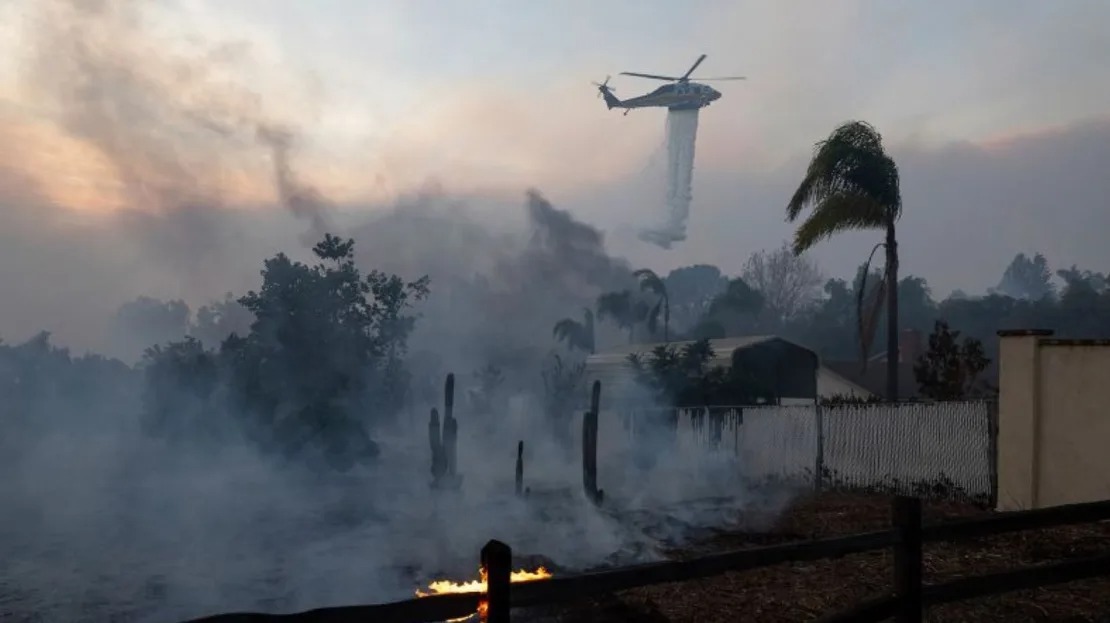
(852, 184)
(623, 310)
(576, 335)
(650, 282)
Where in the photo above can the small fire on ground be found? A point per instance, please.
(442, 587)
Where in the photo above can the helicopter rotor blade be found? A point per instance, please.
(651, 76)
(724, 78)
(686, 76)
(605, 84)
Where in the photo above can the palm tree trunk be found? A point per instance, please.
(892, 313)
(666, 320)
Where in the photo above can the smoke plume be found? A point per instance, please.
(103, 521)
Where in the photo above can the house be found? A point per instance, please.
(799, 377)
(835, 382)
(872, 378)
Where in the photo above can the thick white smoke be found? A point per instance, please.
(681, 132)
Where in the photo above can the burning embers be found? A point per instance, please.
(441, 587)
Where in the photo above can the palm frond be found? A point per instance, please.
(650, 281)
(565, 329)
(837, 213)
(850, 161)
(615, 305)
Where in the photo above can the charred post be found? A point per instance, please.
(497, 561)
(589, 446)
(520, 468)
(589, 455)
(450, 427)
(435, 440)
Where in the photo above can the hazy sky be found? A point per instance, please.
(997, 111)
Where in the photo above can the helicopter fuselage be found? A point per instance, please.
(674, 96)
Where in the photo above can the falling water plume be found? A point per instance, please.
(681, 132)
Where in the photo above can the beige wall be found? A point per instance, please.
(1053, 420)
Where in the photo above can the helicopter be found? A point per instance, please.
(681, 94)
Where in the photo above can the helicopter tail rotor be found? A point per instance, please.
(605, 91)
(602, 87)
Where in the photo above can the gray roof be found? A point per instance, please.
(722, 350)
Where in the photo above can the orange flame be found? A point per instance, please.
(441, 587)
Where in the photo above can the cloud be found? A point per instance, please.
(137, 133)
(969, 208)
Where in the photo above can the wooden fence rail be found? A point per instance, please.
(905, 603)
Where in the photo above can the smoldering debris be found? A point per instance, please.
(127, 526)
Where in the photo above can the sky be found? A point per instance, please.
(129, 124)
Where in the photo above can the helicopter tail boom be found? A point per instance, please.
(610, 100)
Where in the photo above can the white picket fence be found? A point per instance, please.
(867, 445)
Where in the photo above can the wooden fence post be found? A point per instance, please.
(519, 467)
(497, 560)
(907, 559)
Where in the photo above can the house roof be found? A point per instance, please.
(722, 349)
(825, 369)
(873, 379)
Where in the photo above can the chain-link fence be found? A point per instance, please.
(946, 448)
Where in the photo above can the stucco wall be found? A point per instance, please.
(1053, 420)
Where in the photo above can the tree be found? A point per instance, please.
(623, 309)
(218, 320)
(950, 369)
(852, 184)
(322, 360)
(684, 377)
(324, 334)
(43, 386)
(562, 384)
(145, 321)
(916, 306)
(181, 380)
(1026, 278)
(1096, 281)
(731, 312)
(650, 282)
(690, 290)
(831, 329)
(576, 335)
(789, 283)
(739, 298)
(485, 396)
(1081, 308)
